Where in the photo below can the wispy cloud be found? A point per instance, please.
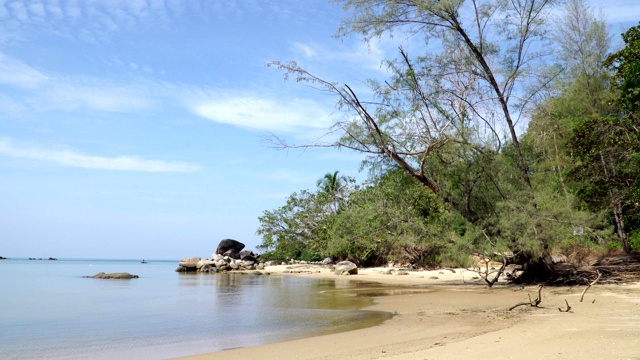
(39, 91)
(619, 11)
(75, 159)
(109, 96)
(353, 56)
(18, 74)
(261, 113)
(307, 50)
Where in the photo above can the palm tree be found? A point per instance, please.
(334, 187)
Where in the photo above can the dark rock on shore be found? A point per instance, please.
(248, 255)
(228, 247)
(122, 275)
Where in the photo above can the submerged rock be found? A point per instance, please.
(121, 275)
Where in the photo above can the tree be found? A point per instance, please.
(448, 108)
(334, 187)
(393, 217)
(297, 230)
(488, 52)
(626, 66)
(606, 142)
(560, 135)
(608, 150)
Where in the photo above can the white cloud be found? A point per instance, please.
(75, 159)
(619, 11)
(264, 114)
(72, 94)
(304, 49)
(15, 73)
(43, 92)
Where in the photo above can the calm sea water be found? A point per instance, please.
(48, 311)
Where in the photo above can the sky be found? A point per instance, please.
(135, 129)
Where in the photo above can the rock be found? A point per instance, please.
(232, 254)
(229, 244)
(191, 262)
(346, 268)
(327, 261)
(122, 275)
(205, 268)
(248, 255)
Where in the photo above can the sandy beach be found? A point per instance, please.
(451, 314)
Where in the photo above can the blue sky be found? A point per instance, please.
(134, 128)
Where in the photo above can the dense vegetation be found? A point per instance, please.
(450, 172)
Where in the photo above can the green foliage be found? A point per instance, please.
(384, 219)
(297, 229)
(626, 65)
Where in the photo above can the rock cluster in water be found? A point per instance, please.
(229, 256)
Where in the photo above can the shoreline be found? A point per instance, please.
(451, 315)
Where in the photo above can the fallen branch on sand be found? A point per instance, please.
(568, 307)
(532, 303)
(590, 285)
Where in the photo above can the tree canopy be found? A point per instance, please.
(453, 170)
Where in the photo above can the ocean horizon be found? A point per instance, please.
(49, 311)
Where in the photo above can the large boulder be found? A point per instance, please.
(122, 275)
(229, 245)
(346, 268)
(191, 262)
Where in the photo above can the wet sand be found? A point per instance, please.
(453, 315)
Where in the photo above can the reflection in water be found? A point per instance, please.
(50, 311)
(289, 307)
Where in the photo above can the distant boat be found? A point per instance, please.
(143, 261)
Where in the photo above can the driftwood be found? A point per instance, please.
(532, 303)
(568, 307)
(487, 271)
(590, 285)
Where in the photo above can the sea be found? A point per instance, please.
(48, 310)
